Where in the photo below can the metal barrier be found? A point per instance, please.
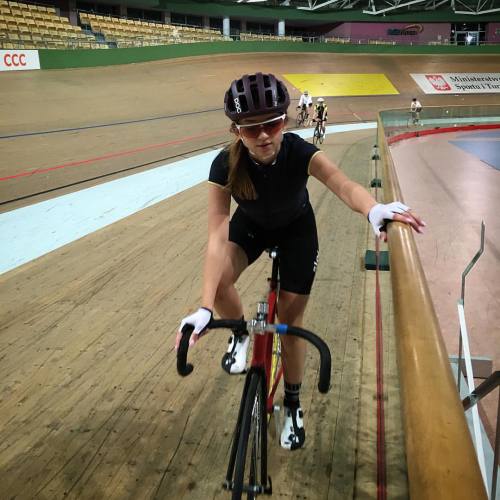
(440, 454)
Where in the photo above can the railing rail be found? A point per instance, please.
(441, 460)
(482, 390)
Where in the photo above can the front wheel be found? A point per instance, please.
(316, 135)
(251, 455)
(322, 137)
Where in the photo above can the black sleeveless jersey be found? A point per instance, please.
(281, 187)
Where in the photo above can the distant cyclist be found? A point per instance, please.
(321, 113)
(415, 109)
(305, 104)
(265, 171)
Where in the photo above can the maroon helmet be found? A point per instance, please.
(253, 95)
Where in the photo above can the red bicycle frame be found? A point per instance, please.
(263, 344)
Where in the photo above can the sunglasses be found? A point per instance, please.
(269, 127)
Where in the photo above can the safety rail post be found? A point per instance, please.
(462, 298)
(441, 460)
(490, 384)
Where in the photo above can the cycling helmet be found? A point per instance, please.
(253, 95)
(306, 92)
(320, 100)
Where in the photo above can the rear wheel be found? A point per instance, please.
(275, 359)
(251, 455)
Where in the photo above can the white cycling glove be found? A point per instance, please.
(380, 213)
(199, 320)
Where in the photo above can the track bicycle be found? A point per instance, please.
(413, 118)
(247, 467)
(318, 135)
(302, 118)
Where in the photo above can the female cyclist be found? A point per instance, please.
(265, 171)
(321, 114)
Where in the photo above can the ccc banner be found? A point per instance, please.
(16, 60)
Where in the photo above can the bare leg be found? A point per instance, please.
(291, 311)
(227, 301)
(228, 305)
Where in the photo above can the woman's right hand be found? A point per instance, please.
(199, 321)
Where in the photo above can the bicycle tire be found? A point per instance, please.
(299, 120)
(321, 138)
(251, 454)
(275, 360)
(316, 135)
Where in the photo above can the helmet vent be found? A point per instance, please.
(269, 99)
(255, 96)
(243, 102)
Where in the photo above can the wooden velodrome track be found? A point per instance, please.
(90, 403)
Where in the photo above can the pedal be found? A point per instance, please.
(277, 422)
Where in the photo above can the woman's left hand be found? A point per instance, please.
(380, 214)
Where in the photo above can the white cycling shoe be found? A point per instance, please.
(235, 359)
(293, 434)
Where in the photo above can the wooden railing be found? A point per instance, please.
(441, 459)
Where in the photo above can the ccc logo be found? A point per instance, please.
(237, 105)
(14, 59)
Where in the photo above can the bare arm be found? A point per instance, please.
(351, 193)
(356, 196)
(219, 202)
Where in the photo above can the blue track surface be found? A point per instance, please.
(483, 145)
(486, 134)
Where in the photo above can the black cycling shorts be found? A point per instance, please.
(297, 242)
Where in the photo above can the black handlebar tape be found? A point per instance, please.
(325, 357)
(234, 324)
(183, 367)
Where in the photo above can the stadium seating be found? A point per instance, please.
(120, 32)
(28, 26)
(259, 37)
